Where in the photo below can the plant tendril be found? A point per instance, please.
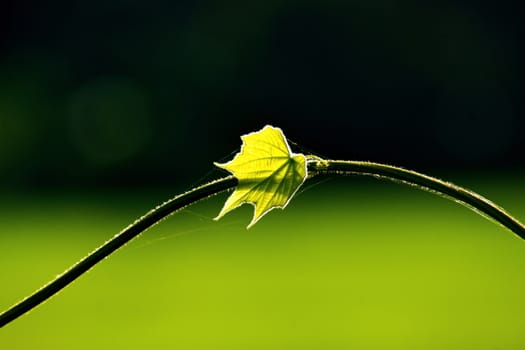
(316, 166)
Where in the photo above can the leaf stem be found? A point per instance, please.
(316, 166)
(126, 235)
(470, 199)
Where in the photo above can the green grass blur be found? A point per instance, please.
(351, 264)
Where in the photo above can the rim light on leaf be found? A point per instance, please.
(268, 173)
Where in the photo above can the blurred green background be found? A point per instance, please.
(108, 108)
(352, 264)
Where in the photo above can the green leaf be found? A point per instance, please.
(269, 174)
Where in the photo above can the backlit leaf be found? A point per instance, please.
(268, 172)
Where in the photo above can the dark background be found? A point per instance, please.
(132, 93)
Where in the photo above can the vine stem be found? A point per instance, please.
(123, 237)
(470, 199)
(316, 166)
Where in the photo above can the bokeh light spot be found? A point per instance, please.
(109, 120)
